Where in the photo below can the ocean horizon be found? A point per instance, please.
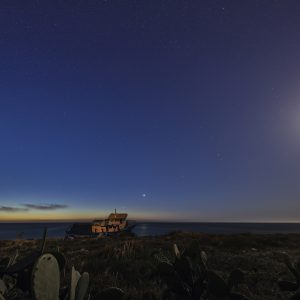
(34, 230)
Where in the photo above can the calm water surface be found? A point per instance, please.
(35, 230)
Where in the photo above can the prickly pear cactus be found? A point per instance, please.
(62, 261)
(46, 278)
(82, 286)
(75, 276)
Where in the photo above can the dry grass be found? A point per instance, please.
(129, 263)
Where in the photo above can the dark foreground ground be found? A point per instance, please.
(130, 264)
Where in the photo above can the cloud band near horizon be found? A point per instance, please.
(30, 206)
(45, 206)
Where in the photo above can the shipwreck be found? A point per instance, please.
(114, 224)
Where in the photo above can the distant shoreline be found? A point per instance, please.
(33, 230)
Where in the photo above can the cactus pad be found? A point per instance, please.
(82, 286)
(46, 278)
(75, 276)
(62, 261)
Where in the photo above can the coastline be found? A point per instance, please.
(58, 230)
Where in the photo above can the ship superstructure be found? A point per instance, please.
(114, 224)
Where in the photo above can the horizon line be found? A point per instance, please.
(145, 221)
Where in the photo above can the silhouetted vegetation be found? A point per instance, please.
(175, 266)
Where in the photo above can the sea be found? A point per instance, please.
(9, 231)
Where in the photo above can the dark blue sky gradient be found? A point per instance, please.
(164, 109)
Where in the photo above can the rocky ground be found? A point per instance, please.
(130, 264)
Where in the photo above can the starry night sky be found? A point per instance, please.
(167, 110)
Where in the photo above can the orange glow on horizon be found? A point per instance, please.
(60, 216)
